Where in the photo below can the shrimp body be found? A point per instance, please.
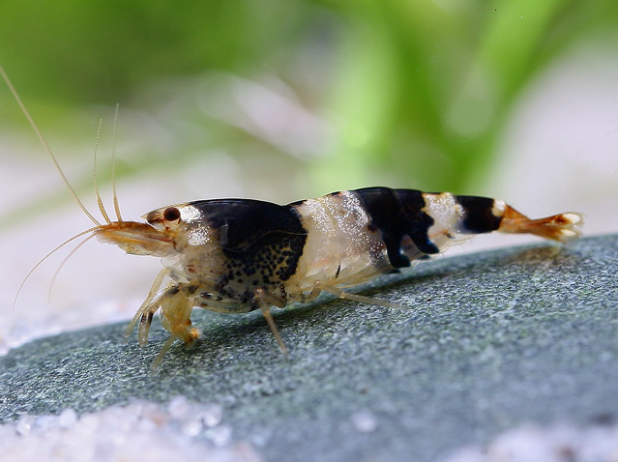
(239, 255)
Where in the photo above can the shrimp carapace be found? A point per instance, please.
(239, 255)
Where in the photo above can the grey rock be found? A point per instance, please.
(490, 340)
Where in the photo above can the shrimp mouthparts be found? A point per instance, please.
(136, 238)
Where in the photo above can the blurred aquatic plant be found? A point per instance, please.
(410, 93)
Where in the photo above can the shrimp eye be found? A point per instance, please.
(171, 214)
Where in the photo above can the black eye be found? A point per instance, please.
(171, 214)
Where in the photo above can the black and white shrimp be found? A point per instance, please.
(240, 255)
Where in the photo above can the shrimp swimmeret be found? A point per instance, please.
(240, 255)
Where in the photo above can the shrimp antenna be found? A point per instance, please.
(47, 148)
(116, 206)
(66, 259)
(49, 254)
(94, 176)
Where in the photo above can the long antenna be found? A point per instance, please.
(55, 276)
(116, 206)
(49, 254)
(47, 148)
(94, 176)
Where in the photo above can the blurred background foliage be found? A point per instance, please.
(315, 96)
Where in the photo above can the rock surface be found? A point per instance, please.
(491, 341)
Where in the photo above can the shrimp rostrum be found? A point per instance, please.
(240, 255)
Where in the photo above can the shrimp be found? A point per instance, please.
(241, 255)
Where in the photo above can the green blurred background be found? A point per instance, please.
(314, 96)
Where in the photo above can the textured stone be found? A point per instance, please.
(491, 340)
